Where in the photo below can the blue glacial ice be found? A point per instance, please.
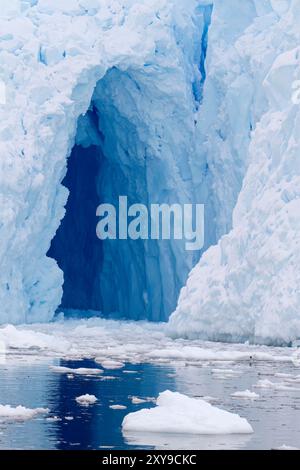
(103, 102)
(164, 101)
(247, 286)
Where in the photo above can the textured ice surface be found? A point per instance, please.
(120, 83)
(179, 414)
(180, 102)
(247, 287)
(132, 342)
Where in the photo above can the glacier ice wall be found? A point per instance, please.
(139, 66)
(247, 286)
(203, 94)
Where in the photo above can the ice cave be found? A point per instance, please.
(126, 145)
(168, 102)
(114, 155)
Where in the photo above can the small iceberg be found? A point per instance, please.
(180, 414)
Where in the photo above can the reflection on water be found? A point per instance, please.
(187, 442)
(99, 425)
(275, 416)
(35, 385)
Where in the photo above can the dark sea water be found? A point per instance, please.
(275, 416)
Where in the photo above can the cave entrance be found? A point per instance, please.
(119, 150)
(75, 247)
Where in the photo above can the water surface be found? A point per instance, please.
(275, 416)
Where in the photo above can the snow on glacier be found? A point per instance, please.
(247, 286)
(130, 68)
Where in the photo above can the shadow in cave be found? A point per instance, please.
(120, 152)
(76, 247)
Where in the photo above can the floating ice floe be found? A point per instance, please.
(278, 386)
(86, 399)
(285, 447)
(53, 419)
(245, 394)
(139, 401)
(177, 413)
(20, 413)
(79, 371)
(225, 373)
(110, 364)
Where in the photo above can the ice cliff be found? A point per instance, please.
(101, 101)
(164, 101)
(247, 286)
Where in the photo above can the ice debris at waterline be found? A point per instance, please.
(130, 342)
(19, 413)
(179, 414)
(180, 100)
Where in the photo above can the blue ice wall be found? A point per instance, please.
(138, 139)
